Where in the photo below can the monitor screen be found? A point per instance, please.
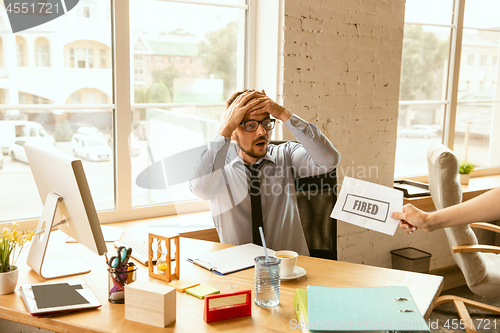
(63, 188)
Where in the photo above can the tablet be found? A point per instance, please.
(58, 297)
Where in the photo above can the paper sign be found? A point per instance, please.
(368, 205)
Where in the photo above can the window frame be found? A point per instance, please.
(261, 70)
(451, 103)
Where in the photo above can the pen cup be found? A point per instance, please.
(267, 281)
(117, 280)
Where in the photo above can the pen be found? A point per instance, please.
(130, 272)
(203, 264)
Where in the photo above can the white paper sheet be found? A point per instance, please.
(368, 205)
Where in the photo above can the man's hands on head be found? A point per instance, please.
(412, 218)
(267, 105)
(237, 110)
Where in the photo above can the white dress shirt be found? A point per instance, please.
(222, 178)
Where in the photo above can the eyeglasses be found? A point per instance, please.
(252, 125)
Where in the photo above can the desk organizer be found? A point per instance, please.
(163, 268)
(118, 280)
(150, 303)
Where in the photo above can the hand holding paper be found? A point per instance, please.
(368, 205)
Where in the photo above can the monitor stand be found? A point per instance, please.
(40, 241)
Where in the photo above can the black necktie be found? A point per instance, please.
(257, 220)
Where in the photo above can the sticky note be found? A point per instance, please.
(201, 291)
(182, 285)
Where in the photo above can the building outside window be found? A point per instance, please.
(429, 101)
(82, 95)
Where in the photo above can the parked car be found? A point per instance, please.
(12, 130)
(419, 131)
(91, 147)
(17, 152)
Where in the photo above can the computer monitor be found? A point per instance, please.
(64, 190)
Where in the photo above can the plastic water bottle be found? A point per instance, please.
(267, 281)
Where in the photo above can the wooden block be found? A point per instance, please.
(150, 303)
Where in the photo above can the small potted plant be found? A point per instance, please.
(11, 241)
(464, 169)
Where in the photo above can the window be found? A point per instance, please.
(484, 60)
(1, 52)
(163, 97)
(103, 57)
(470, 60)
(138, 68)
(83, 54)
(56, 112)
(91, 58)
(21, 47)
(72, 57)
(429, 97)
(82, 98)
(42, 52)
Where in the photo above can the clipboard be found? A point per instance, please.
(230, 260)
(58, 297)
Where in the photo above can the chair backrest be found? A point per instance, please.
(316, 196)
(446, 191)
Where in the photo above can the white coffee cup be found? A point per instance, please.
(288, 262)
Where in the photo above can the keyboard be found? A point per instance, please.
(139, 250)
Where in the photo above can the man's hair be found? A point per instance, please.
(235, 95)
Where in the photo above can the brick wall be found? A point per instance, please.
(341, 70)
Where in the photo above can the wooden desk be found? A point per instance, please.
(111, 317)
(477, 186)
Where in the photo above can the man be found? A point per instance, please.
(227, 172)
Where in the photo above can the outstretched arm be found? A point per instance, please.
(485, 207)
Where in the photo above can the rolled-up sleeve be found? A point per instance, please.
(315, 154)
(207, 175)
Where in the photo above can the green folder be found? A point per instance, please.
(300, 306)
(201, 291)
(363, 309)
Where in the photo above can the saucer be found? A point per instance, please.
(297, 272)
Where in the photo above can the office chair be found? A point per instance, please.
(316, 196)
(479, 263)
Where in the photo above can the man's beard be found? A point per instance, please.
(250, 151)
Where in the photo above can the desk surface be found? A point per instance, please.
(477, 186)
(111, 317)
